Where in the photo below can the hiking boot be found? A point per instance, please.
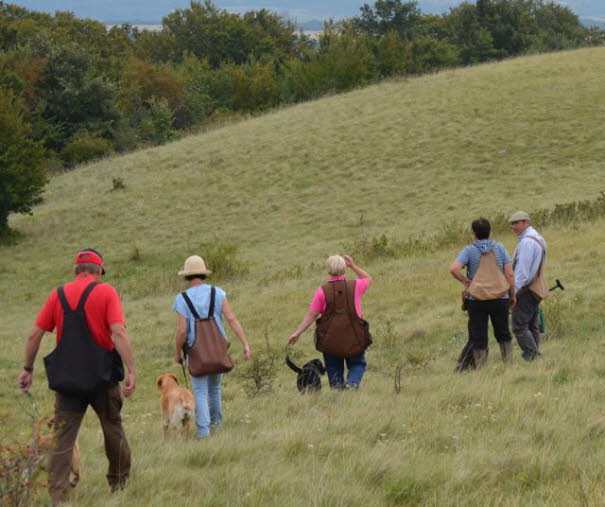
(506, 350)
(480, 357)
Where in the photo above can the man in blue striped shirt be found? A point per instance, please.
(479, 311)
(528, 258)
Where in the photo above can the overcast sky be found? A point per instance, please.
(298, 10)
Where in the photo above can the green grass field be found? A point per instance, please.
(265, 201)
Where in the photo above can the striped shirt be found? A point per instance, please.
(470, 256)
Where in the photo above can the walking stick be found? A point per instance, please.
(558, 285)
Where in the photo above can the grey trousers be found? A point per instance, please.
(526, 324)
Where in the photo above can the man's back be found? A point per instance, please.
(102, 309)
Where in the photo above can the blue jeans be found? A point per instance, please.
(335, 367)
(208, 410)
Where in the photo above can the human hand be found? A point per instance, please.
(293, 338)
(178, 357)
(25, 381)
(246, 352)
(512, 302)
(130, 384)
(348, 260)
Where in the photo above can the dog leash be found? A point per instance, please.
(184, 372)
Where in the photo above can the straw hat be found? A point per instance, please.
(194, 265)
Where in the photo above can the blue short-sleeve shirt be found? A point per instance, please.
(200, 297)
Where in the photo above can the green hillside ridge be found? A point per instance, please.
(403, 158)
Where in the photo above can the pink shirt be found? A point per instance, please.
(318, 304)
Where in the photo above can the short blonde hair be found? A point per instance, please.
(336, 265)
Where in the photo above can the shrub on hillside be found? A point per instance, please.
(85, 146)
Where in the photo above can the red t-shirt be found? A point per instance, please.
(102, 309)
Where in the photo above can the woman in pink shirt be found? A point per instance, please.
(356, 365)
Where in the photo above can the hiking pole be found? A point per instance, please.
(559, 285)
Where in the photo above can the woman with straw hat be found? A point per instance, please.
(206, 388)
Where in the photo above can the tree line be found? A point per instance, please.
(73, 90)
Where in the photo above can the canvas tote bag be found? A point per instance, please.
(489, 282)
(208, 354)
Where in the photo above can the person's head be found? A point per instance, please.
(89, 261)
(336, 265)
(194, 269)
(481, 228)
(519, 221)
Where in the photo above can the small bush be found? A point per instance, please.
(258, 374)
(117, 184)
(84, 147)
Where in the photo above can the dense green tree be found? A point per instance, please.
(390, 15)
(22, 162)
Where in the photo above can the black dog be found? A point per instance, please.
(309, 376)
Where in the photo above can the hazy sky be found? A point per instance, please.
(298, 10)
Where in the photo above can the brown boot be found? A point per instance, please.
(506, 350)
(480, 357)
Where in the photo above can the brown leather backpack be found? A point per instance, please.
(208, 355)
(340, 332)
(489, 282)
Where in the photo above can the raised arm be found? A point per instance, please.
(356, 269)
(236, 327)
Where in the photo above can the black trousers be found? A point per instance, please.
(479, 312)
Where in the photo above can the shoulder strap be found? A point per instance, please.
(539, 243)
(212, 301)
(190, 305)
(64, 304)
(85, 295)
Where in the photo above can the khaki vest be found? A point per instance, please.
(340, 332)
(489, 282)
(538, 286)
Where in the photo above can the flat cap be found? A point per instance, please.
(518, 216)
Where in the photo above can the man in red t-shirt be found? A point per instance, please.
(106, 325)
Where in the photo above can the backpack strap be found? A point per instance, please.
(190, 305)
(212, 301)
(83, 297)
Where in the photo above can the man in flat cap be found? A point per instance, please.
(528, 265)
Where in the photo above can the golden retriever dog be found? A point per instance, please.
(178, 406)
(44, 444)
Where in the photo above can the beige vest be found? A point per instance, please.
(489, 282)
(538, 285)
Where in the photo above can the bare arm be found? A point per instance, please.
(456, 271)
(236, 327)
(180, 336)
(356, 269)
(119, 337)
(302, 327)
(31, 350)
(510, 278)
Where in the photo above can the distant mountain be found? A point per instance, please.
(598, 22)
(301, 11)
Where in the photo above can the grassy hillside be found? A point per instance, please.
(266, 200)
